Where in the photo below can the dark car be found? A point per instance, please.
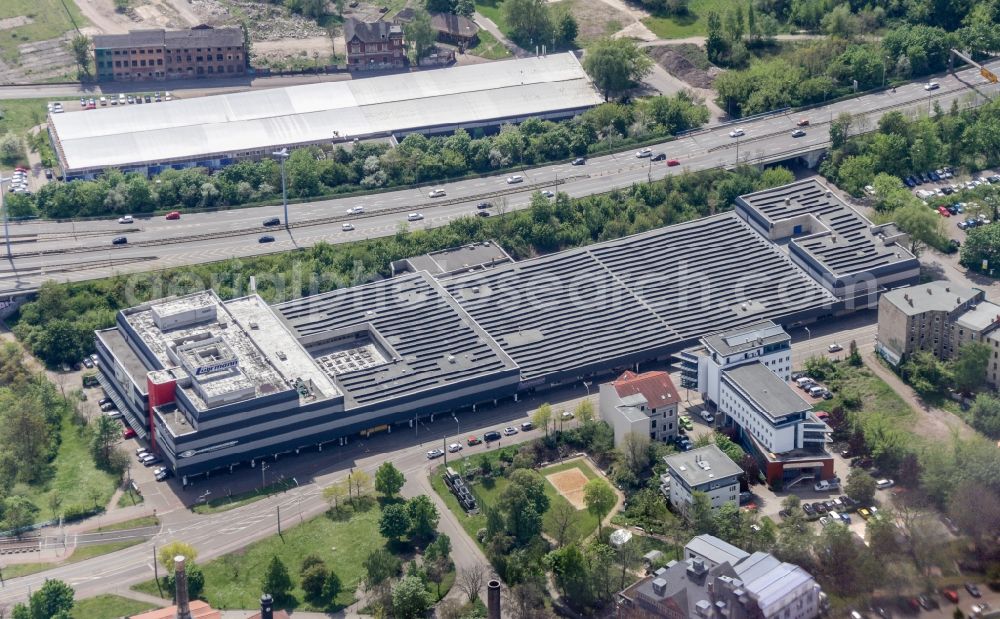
(104, 401)
(482, 213)
(119, 240)
(934, 176)
(579, 161)
(947, 191)
(745, 497)
(274, 221)
(993, 179)
(798, 133)
(924, 178)
(819, 507)
(927, 602)
(808, 510)
(973, 590)
(483, 205)
(491, 436)
(659, 156)
(908, 181)
(267, 238)
(953, 209)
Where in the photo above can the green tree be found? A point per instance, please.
(276, 581)
(982, 244)
(380, 566)
(840, 22)
(572, 576)
(80, 46)
(860, 486)
(566, 29)
(925, 372)
(167, 552)
(985, 414)
(332, 587)
(18, 512)
(616, 65)
(542, 417)
(522, 504)
(600, 499)
(968, 368)
(922, 224)
(312, 581)
(700, 514)
(394, 522)
(530, 22)
(54, 599)
(420, 33)
(104, 437)
(835, 547)
(716, 44)
(410, 598)
(389, 480)
(584, 412)
(840, 129)
(11, 148)
(423, 517)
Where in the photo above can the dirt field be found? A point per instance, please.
(595, 19)
(686, 62)
(570, 484)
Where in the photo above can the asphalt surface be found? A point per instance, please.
(74, 251)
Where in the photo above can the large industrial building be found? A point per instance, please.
(214, 383)
(216, 131)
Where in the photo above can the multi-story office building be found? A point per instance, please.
(644, 404)
(706, 469)
(201, 51)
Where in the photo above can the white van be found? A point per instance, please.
(816, 392)
(803, 380)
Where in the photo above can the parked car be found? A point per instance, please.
(173, 215)
(825, 486)
(435, 453)
(944, 211)
(267, 238)
(87, 363)
(834, 348)
(882, 484)
(566, 415)
(128, 433)
(973, 590)
(808, 510)
(707, 416)
(672, 163)
(491, 436)
(685, 422)
(473, 440)
(163, 475)
(745, 497)
(125, 219)
(927, 602)
(509, 431)
(526, 426)
(274, 221)
(454, 448)
(951, 595)
(579, 161)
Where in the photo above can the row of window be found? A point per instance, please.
(159, 61)
(189, 70)
(133, 52)
(375, 47)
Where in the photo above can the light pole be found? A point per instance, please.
(459, 431)
(737, 149)
(6, 231)
(263, 467)
(282, 155)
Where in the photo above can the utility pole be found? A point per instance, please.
(282, 155)
(263, 467)
(278, 507)
(6, 230)
(156, 567)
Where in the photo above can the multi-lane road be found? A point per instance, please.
(73, 251)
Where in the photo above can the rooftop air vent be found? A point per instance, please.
(281, 355)
(254, 325)
(451, 358)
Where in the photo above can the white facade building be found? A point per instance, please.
(708, 470)
(644, 404)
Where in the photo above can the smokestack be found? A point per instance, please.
(180, 579)
(266, 606)
(493, 599)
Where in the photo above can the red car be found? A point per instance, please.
(672, 162)
(128, 433)
(474, 440)
(174, 215)
(951, 595)
(944, 211)
(804, 122)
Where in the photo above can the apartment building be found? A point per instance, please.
(644, 404)
(374, 46)
(706, 469)
(199, 52)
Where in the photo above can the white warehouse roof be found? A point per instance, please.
(224, 125)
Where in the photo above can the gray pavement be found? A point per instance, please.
(73, 251)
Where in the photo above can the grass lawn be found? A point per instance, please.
(129, 498)
(135, 523)
(488, 494)
(234, 580)
(82, 553)
(48, 19)
(493, 10)
(226, 503)
(489, 47)
(108, 606)
(692, 24)
(875, 395)
(19, 115)
(77, 482)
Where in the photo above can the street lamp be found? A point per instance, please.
(6, 231)
(459, 436)
(282, 155)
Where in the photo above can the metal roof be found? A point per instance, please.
(769, 580)
(634, 295)
(715, 550)
(203, 128)
(766, 390)
(753, 336)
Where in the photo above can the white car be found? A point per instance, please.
(435, 193)
(454, 448)
(435, 453)
(834, 348)
(735, 133)
(355, 210)
(104, 100)
(882, 484)
(517, 178)
(414, 217)
(548, 194)
(347, 227)
(646, 152)
(166, 96)
(707, 416)
(566, 415)
(125, 219)
(509, 431)
(932, 86)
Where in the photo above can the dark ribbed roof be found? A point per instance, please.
(205, 36)
(369, 32)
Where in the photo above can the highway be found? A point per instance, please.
(75, 251)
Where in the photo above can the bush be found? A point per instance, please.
(313, 580)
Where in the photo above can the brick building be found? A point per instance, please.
(199, 52)
(374, 46)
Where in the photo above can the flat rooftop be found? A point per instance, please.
(936, 296)
(751, 336)
(203, 128)
(469, 257)
(416, 335)
(980, 317)
(767, 391)
(702, 465)
(115, 342)
(833, 233)
(635, 295)
(716, 550)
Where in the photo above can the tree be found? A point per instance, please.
(968, 368)
(569, 566)
(167, 553)
(312, 581)
(332, 587)
(635, 452)
(53, 600)
(981, 244)
(860, 486)
(701, 515)
(470, 580)
(584, 412)
(835, 548)
(121, 5)
(389, 480)
(985, 414)
(420, 33)
(335, 493)
(530, 22)
(276, 581)
(11, 148)
(923, 225)
(564, 519)
(80, 45)
(423, 517)
(600, 498)
(410, 598)
(437, 560)
(542, 417)
(104, 436)
(394, 522)
(840, 129)
(567, 29)
(716, 45)
(360, 481)
(522, 504)
(616, 65)
(380, 566)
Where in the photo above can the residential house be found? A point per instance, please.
(644, 404)
(199, 52)
(706, 469)
(374, 46)
(448, 27)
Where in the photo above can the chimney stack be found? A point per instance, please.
(493, 599)
(266, 606)
(180, 580)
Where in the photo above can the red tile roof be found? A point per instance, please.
(656, 387)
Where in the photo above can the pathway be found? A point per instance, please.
(932, 422)
(487, 24)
